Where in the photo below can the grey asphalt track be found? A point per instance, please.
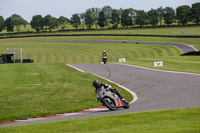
(155, 89)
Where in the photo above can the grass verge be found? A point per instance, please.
(33, 90)
(172, 63)
(185, 120)
(173, 31)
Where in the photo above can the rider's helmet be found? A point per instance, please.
(96, 84)
(104, 51)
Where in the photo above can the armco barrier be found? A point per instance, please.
(23, 36)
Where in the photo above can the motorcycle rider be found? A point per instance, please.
(98, 85)
(104, 56)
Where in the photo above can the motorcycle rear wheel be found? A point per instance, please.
(126, 106)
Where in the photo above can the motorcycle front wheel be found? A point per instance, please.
(109, 104)
(104, 60)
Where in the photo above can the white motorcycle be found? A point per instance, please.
(110, 99)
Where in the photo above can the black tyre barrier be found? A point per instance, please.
(28, 61)
(193, 53)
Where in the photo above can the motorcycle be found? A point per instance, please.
(104, 59)
(110, 100)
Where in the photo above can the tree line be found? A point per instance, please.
(107, 16)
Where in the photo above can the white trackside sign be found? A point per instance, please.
(122, 60)
(158, 64)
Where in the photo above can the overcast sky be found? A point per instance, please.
(28, 8)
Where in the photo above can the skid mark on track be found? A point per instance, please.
(146, 88)
(109, 73)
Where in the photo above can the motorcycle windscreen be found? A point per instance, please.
(100, 93)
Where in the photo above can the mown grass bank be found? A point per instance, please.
(173, 31)
(191, 41)
(182, 64)
(42, 50)
(33, 90)
(168, 121)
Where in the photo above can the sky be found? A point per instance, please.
(28, 8)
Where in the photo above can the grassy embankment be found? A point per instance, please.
(172, 31)
(170, 121)
(136, 54)
(46, 87)
(32, 90)
(182, 31)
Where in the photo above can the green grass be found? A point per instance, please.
(191, 41)
(84, 52)
(168, 121)
(182, 64)
(33, 90)
(183, 31)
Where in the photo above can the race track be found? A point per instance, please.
(155, 89)
(182, 47)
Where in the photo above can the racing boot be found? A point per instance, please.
(125, 101)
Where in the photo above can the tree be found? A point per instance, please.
(9, 25)
(115, 18)
(2, 24)
(160, 12)
(95, 15)
(120, 11)
(75, 20)
(24, 23)
(17, 21)
(107, 12)
(82, 19)
(37, 23)
(141, 18)
(126, 20)
(196, 12)
(152, 17)
(132, 12)
(183, 14)
(63, 21)
(50, 22)
(102, 19)
(169, 15)
(89, 21)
